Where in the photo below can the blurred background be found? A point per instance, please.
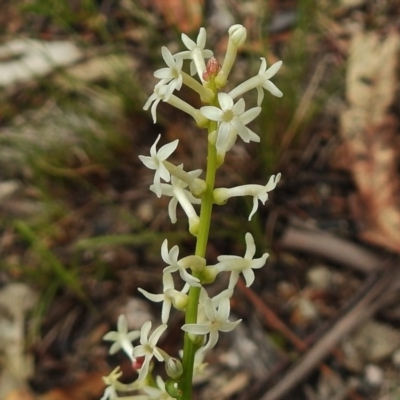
(80, 231)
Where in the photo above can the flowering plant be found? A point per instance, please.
(205, 317)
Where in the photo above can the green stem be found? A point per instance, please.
(189, 348)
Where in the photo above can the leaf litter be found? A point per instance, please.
(369, 130)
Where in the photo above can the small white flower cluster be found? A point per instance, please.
(187, 189)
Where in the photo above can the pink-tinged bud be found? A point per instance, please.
(138, 363)
(212, 69)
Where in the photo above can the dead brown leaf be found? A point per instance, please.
(369, 131)
(186, 16)
(89, 387)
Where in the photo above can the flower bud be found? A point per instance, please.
(180, 301)
(173, 368)
(212, 69)
(194, 223)
(195, 263)
(198, 340)
(209, 274)
(198, 187)
(220, 196)
(237, 34)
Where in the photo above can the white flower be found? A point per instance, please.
(180, 195)
(171, 75)
(159, 93)
(232, 120)
(171, 258)
(148, 348)
(155, 161)
(122, 338)
(217, 321)
(260, 81)
(242, 265)
(169, 296)
(196, 52)
(259, 192)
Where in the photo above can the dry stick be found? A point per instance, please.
(330, 247)
(370, 298)
(364, 309)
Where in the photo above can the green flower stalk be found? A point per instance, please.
(226, 120)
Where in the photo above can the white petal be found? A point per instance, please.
(164, 173)
(149, 101)
(188, 42)
(186, 277)
(223, 135)
(111, 336)
(248, 275)
(241, 130)
(225, 101)
(263, 65)
(272, 70)
(250, 246)
(212, 341)
(268, 85)
(166, 310)
(167, 56)
(250, 115)
(229, 326)
(239, 107)
(173, 254)
(154, 110)
(164, 251)
(156, 334)
(122, 324)
(144, 370)
(148, 162)
(163, 73)
(172, 209)
(156, 298)
(144, 333)
(167, 149)
(253, 136)
(273, 181)
(197, 329)
(168, 282)
(209, 310)
(259, 262)
(260, 95)
(224, 309)
(212, 113)
(201, 38)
